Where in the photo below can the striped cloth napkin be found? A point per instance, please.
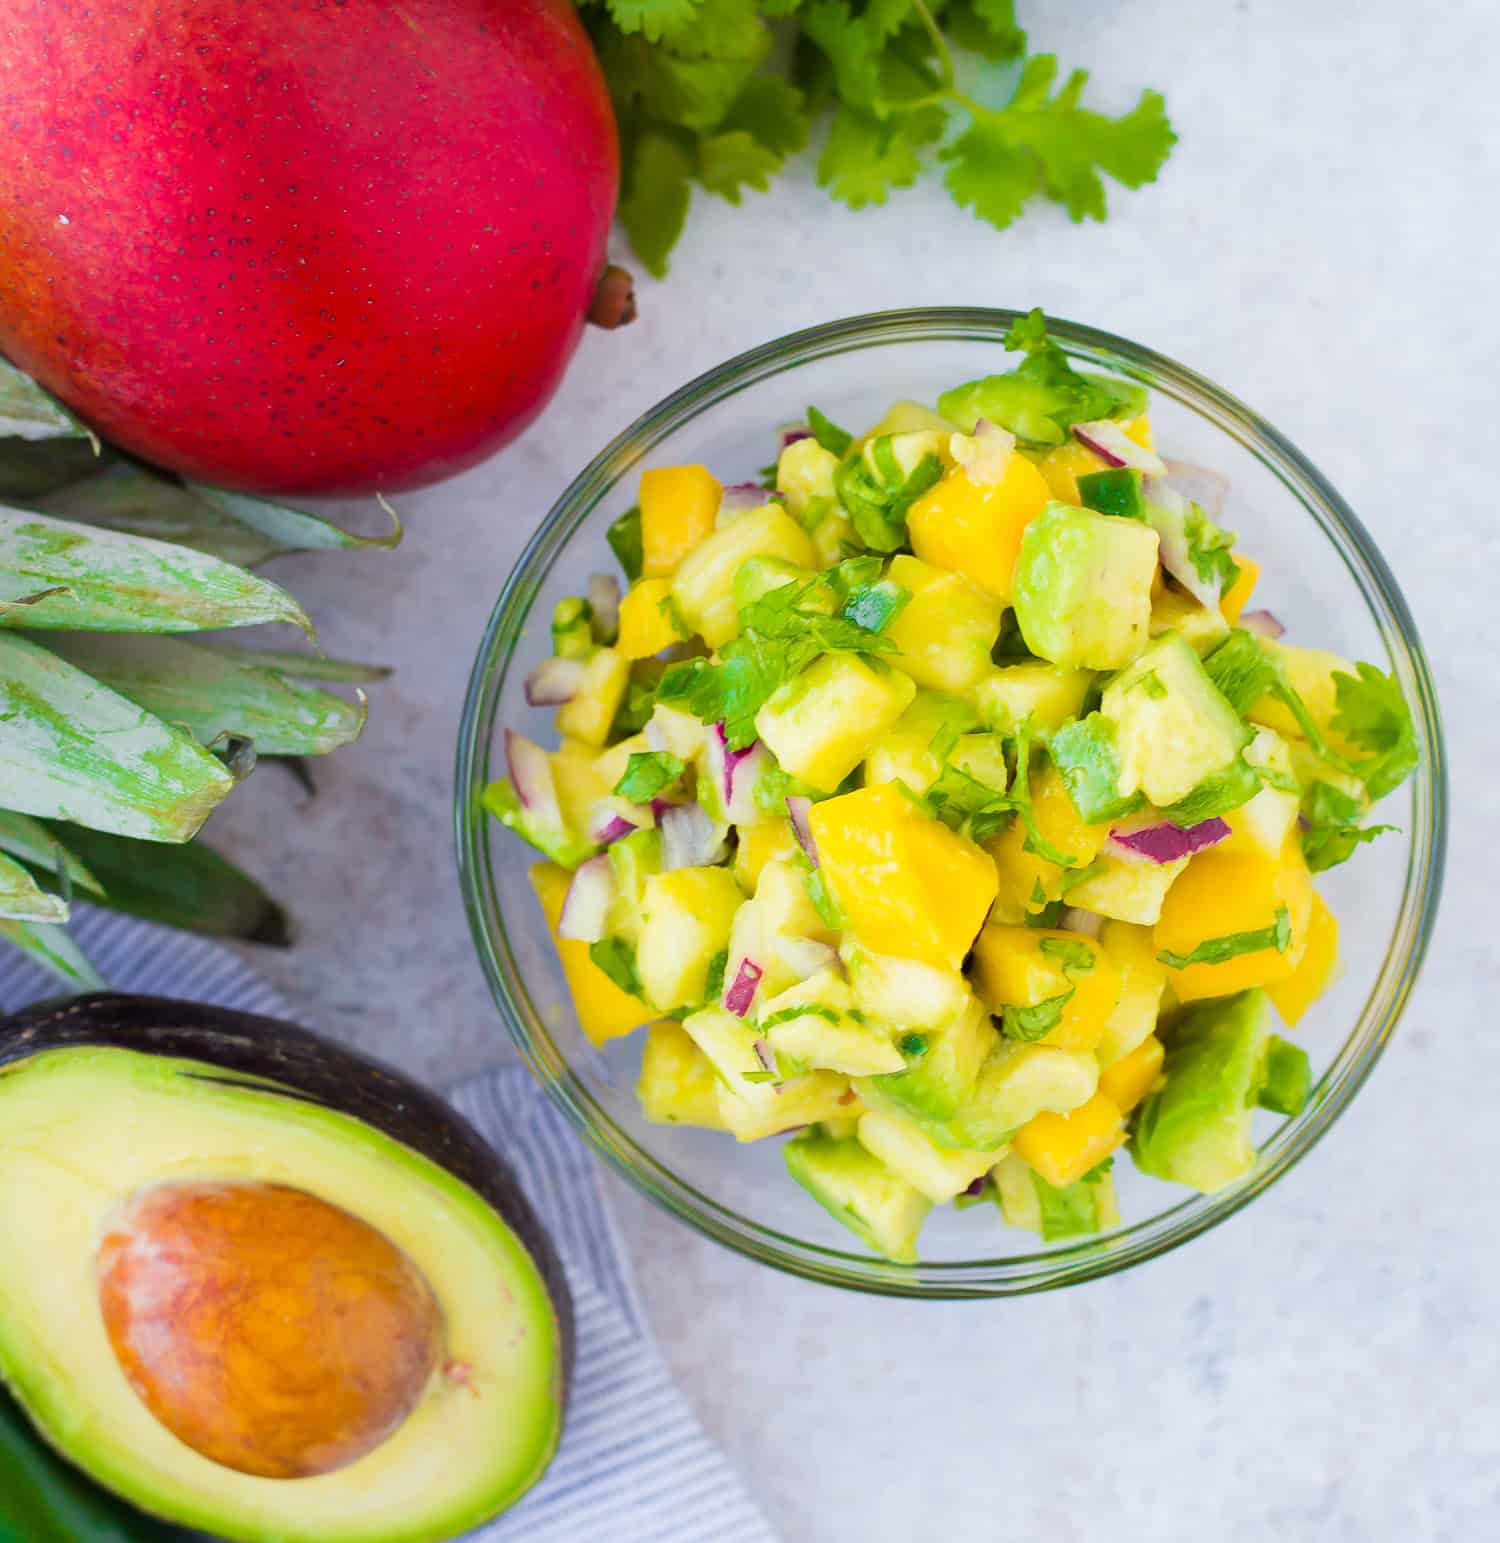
(634, 1465)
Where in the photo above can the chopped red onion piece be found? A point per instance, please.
(734, 774)
(1262, 623)
(689, 839)
(741, 993)
(1167, 510)
(585, 907)
(740, 496)
(1164, 842)
(531, 776)
(604, 601)
(985, 453)
(976, 1187)
(799, 809)
(607, 824)
(1114, 446)
(1086, 922)
(793, 433)
(553, 682)
(1199, 485)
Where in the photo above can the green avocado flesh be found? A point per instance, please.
(83, 1128)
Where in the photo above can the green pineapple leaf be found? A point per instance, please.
(295, 530)
(29, 412)
(50, 947)
(41, 850)
(23, 899)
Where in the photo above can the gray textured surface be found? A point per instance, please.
(1325, 1366)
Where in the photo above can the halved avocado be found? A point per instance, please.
(108, 1103)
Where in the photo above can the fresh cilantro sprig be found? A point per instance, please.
(647, 773)
(1220, 950)
(717, 94)
(1330, 827)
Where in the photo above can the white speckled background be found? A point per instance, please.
(1325, 1366)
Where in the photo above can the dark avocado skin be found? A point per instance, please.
(308, 1067)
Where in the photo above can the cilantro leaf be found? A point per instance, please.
(1073, 953)
(654, 203)
(875, 606)
(624, 537)
(729, 163)
(1021, 796)
(989, 175)
(653, 17)
(1372, 712)
(1038, 1020)
(1208, 549)
(829, 435)
(1088, 760)
(865, 156)
(1218, 950)
(646, 774)
(822, 899)
(877, 491)
(986, 27)
(773, 112)
(617, 959)
(1331, 829)
(713, 987)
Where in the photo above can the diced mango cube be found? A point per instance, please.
(1315, 972)
(1130, 1079)
(1228, 890)
(823, 724)
(678, 506)
(944, 633)
(647, 624)
(1064, 1147)
(1237, 596)
(975, 528)
(604, 1011)
(1022, 966)
(905, 884)
(1029, 881)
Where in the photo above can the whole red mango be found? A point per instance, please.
(301, 246)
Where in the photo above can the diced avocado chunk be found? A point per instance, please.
(687, 916)
(823, 724)
(1288, 1077)
(1083, 587)
(677, 1080)
(1174, 731)
(1129, 889)
(857, 1189)
(1202, 626)
(1038, 402)
(1083, 1208)
(1019, 1080)
(1116, 491)
(815, 1025)
(572, 630)
(943, 1062)
(1046, 694)
(900, 1143)
(1195, 1128)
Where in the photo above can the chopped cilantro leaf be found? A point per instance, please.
(827, 433)
(624, 537)
(617, 959)
(1331, 829)
(1074, 953)
(1218, 950)
(713, 987)
(1036, 1021)
(822, 899)
(875, 606)
(877, 492)
(1371, 711)
(1208, 549)
(1021, 798)
(802, 1010)
(1088, 760)
(646, 774)
(1050, 914)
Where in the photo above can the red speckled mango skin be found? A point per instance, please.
(301, 246)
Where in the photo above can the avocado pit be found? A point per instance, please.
(267, 1329)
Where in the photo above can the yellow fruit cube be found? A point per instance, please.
(823, 724)
(759, 844)
(1045, 693)
(975, 528)
(1021, 872)
(1228, 890)
(1235, 598)
(944, 633)
(703, 585)
(1022, 966)
(1315, 972)
(589, 715)
(1063, 466)
(1311, 672)
(1129, 889)
(604, 1011)
(677, 1082)
(678, 507)
(905, 884)
(687, 915)
(1143, 978)
(1131, 1078)
(1064, 1147)
(647, 622)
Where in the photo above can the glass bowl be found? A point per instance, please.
(1323, 577)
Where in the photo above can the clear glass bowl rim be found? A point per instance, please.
(1018, 1273)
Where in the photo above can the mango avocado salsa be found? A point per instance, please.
(939, 800)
